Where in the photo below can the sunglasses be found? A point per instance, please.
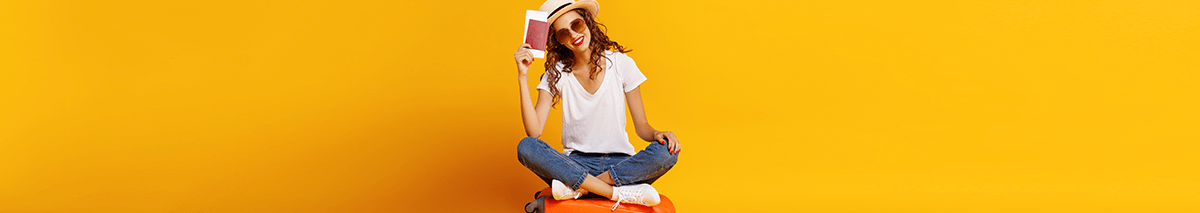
(577, 26)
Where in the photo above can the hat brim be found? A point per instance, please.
(590, 6)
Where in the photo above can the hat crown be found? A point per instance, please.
(550, 5)
(558, 7)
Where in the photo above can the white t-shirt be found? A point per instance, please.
(596, 122)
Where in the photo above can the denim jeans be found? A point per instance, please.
(644, 167)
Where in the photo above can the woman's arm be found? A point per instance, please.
(533, 117)
(633, 98)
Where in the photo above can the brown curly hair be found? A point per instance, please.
(557, 52)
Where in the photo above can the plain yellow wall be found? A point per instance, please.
(782, 106)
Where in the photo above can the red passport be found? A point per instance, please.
(536, 30)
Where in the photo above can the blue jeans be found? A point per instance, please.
(644, 167)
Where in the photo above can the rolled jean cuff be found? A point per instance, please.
(578, 183)
(616, 177)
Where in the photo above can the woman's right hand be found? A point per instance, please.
(524, 58)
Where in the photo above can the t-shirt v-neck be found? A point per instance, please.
(603, 80)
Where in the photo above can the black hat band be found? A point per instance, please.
(559, 8)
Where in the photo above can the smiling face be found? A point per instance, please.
(571, 31)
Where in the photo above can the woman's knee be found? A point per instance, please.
(528, 146)
(669, 160)
(662, 155)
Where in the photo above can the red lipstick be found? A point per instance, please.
(578, 41)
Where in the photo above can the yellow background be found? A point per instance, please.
(781, 106)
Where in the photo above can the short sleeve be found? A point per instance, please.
(631, 76)
(544, 84)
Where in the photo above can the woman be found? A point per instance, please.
(592, 77)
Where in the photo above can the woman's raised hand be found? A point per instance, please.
(668, 137)
(524, 58)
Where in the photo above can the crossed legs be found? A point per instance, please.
(644, 167)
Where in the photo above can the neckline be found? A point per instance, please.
(604, 80)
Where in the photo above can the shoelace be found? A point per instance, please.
(628, 196)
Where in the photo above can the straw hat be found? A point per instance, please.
(557, 8)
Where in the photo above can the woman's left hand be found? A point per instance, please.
(668, 137)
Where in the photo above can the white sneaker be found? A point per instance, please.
(560, 191)
(642, 194)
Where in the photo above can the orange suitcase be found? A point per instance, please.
(599, 205)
